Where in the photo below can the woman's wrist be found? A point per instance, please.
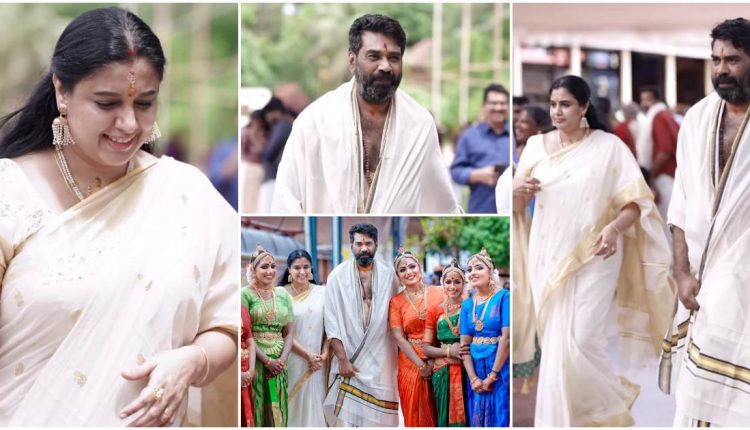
(202, 368)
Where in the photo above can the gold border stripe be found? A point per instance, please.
(368, 397)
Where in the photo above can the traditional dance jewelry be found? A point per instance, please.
(271, 315)
(484, 257)
(479, 323)
(453, 328)
(60, 132)
(421, 312)
(452, 267)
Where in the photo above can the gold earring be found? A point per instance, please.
(154, 135)
(60, 132)
(289, 278)
(584, 122)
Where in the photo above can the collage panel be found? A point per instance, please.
(118, 252)
(630, 147)
(375, 321)
(374, 108)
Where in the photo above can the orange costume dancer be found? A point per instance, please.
(407, 314)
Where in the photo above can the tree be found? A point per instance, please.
(452, 235)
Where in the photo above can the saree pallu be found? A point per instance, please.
(270, 395)
(572, 293)
(488, 409)
(448, 378)
(415, 392)
(107, 284)
(246, 393)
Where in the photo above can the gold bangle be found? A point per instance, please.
(476, 378)
(424, 364)
(612, 224)
(448, 351)
(208, 364)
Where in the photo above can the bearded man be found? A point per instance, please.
(708, 216)
(362, 382)
(365, 147)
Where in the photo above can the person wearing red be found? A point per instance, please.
(662, 130)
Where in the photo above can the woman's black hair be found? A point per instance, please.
(294, 255)
(92, 40)
(582, 93)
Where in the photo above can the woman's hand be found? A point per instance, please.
(426, 370)
(169, 375)
(606, 243)
(274, 366)
(477, 385)
(523, 190)
(314, 362)
(247, 378)
(487, 383)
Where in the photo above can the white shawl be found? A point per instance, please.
(321, 168)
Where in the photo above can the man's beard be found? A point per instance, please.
(364, 258)
(376, 93)
(738, 93)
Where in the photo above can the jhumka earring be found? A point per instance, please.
(311, 278)
(289, 278)
(60, 132)
(584, 122)
(154, 135)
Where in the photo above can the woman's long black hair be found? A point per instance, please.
(582, 93)
(92, 40)
(297, 253)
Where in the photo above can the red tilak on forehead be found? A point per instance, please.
(131, 52)
(131, 83)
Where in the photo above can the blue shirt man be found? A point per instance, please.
(483, 151)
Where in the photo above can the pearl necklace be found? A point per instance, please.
(64, 167)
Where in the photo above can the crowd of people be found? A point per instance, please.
(375, 346)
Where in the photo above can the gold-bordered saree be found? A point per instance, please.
(567, 297)
(140, 267)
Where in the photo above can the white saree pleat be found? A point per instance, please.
(107, 284)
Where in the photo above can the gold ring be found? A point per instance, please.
(158, 394)
(165, 414)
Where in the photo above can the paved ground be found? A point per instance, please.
(652, 409)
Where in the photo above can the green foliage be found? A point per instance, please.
(31, 31)
(308, 44)
(454, 234)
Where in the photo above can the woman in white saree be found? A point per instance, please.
(595, 244)
(117, 269)
(307, 364)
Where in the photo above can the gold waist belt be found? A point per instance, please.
(484, 340)
(415, 341)
(245, 354)
(269, 335)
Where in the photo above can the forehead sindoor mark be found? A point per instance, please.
(131, 74)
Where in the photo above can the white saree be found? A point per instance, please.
(712, 349)
(370, 398)
(141, 267)
(307, 390)
(568, 297)
(321, 168)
